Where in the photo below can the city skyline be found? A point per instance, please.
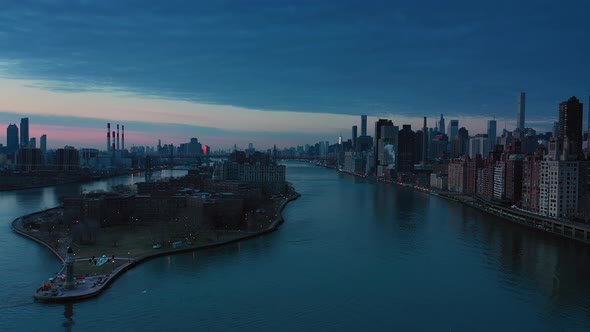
(194, 70)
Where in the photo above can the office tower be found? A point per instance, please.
(11, 138)
(571, 113)
(588, 144)
(389, 136)
(354, 136)
(452, 129)
(441, 124)
(363, 125)
(24, 132)
(478, 145)
(424, 142)
(556, 129)
(405, 155)
(376, 150)
(521, 107)
(43, 144)
(491, 134)
(460, 144)
(33, 142)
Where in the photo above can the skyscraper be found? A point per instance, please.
(588, 143)
(354, 136)
(441, 124)
(33, 142)
(424, 142)
(43, 144)
(405, 155)
(521, 107)
(452, 129)
(363, 125)
(24, 132)
(571, 113)
(491, 134)
(380, 123)
(11, 138)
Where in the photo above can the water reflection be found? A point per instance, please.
(69, 314)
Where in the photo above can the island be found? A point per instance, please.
(99, 235)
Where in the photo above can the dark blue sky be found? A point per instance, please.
(411, 58)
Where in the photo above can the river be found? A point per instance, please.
(351, 255)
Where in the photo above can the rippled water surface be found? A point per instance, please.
(351, 255)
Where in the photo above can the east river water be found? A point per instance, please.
(351, 255)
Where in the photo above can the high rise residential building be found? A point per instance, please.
(571, 113)
(354, 136)
(558, 188)
(363, 125)
(43, 144)
(492, 135)
(441, 124)
(11, 138)
(24, 132)
(28, 159)
(33, 142)
(521, 109)
(67, 159)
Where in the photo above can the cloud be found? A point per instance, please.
(235, 68)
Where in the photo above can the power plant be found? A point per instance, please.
(113, 146)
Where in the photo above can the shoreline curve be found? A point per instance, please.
(273, 226)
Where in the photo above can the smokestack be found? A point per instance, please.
(123, 138)
(424, 142)
(113, 148)
(108, 137)
(117, 137)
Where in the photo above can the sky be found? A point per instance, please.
(283, 72)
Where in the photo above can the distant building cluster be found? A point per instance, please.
(211, 197)
(21, 153)
(545, 173)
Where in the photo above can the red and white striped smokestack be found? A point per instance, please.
(113, 148)
(117, 137)
(123, 137)
(108, 136)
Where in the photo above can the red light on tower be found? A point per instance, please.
(205, 150)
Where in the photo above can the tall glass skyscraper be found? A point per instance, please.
(521, 107)
(491, 134)
(43, 144)
(441, 125)
(11, 138)
(363, 125)
(24, 132)
(452, 129)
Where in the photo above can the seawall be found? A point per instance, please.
(17, 227)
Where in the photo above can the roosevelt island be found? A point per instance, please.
(99, 235)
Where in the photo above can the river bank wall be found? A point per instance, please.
(561, 228)
(17, 226)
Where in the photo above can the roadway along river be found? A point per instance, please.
(351, 256)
